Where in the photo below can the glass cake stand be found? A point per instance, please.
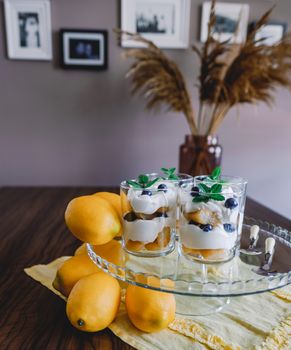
(212, 285)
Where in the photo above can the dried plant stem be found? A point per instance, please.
(199, 122)
(158, 79)
(219, 110)
(218, 117)
(191, 121)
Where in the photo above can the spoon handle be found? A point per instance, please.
(270, 245)
(254, 236)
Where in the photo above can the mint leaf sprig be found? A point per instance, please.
(142, 182)
(216, 173)
(214, 192)
(206, 193)
(170, 173)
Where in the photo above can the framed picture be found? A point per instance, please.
(28, 29)
(165, 22)
(231, 21)
(84, 49)
(272, 33)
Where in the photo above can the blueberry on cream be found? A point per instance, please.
(162, 187)
(231, 203)
(229, 228)
(146, 193)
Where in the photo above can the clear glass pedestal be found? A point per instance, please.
(212, 284)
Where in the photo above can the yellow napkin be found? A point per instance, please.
(260, 322)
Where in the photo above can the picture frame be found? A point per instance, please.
(84, 49)
(231, 22)
(165, 22)
(28, 29)
(273, 32)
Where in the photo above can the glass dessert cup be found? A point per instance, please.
(211, 216)
(150, 215)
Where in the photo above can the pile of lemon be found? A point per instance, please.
(94, 296)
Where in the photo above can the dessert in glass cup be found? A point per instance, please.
(149, 205)
(211, 216)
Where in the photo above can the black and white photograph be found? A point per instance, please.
(83, 49)
(29, 34)
(231, 22)
(28, 29)
(271, 33)
(165, 22)
(155, 19)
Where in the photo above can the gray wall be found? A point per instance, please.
(78, 127)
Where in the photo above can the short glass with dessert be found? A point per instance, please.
(149, 206)
(211, 217)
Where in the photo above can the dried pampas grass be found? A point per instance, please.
(158, 79)
(229, 75)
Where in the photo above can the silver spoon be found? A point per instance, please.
(265, 268)
(254, 236)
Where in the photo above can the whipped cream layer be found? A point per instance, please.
(194, 237)
(146, 230)
(146, 204)
(150, 204)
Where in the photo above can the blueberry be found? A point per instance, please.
(182, 184)
(194, 191)
(231, 203)
(206, 228)
(130, 216)
(229, 228)
(201, 178)
(146, 193)
(192, 222)
(162, 187)
(162, 215)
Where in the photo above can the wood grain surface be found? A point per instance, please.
(32, 231)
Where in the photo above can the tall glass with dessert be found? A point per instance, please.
(211, 217)
(149, 205)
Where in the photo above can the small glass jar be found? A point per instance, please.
(211, 216)
(150, 215)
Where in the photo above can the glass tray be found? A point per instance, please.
(175, 274)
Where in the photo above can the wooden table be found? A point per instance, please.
(32, 231)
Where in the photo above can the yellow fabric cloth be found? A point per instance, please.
(260, 322)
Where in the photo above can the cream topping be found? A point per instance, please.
(146, 230)
(194, 237)
(150, 204)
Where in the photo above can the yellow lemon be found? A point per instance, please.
(81, 250)
(115, 201)
(93, 302)
(71, 271)
(92, 219)
(111, 251)
(125, 205)
(149, 310)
